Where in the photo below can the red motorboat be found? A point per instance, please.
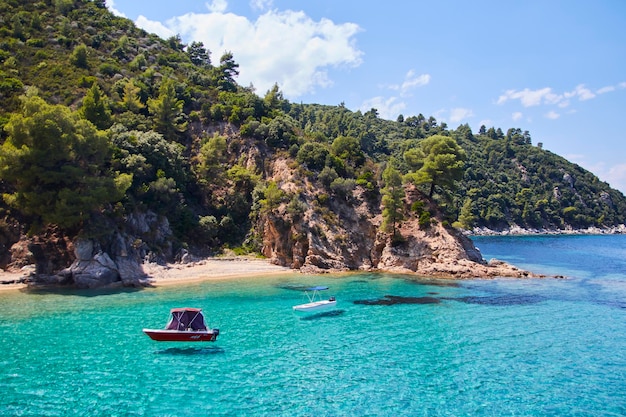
(185, 325)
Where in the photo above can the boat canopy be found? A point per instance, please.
(318, 288)
(186, 318)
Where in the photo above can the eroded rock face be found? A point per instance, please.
(89, 269)
(121, 265)
(114, 260)
(435, 252)
(44, 253)
(83, 249)
(345, 235)
(99, 272)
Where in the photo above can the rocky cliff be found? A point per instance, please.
(344, 233)
(114, 258)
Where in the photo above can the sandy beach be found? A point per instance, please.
(211, 269)
(176, 274)
(12, 280)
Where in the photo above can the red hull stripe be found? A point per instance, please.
(181, 336)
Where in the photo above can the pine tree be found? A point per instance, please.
(167, 110)
(96, 109)
(467, 218)
(393, 195)
(130, 98)
(79, 56)
(54, 163)
(442, 164)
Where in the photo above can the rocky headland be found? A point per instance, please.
(308, 246)
(317, 234)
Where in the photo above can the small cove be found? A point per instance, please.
(480, 347)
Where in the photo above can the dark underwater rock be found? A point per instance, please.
(388, 300)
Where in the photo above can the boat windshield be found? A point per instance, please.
(183, 319)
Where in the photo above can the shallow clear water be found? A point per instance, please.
(544, 347)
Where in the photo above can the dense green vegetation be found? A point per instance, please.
(101, 119)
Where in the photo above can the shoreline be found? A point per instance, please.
(236, 267)
(209, 269)
(519, 231)
(218, 269)
(14, 280)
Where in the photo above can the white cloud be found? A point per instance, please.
(530, 98)
(484, 122)
(582, 92)
(388, 108)
(616, 177)
(517, 116)
(217, 6)
(154, 27)
(459, 113)
(261, 4)
(111, 6)
(607, 89)
(545, 96)
(440, 114)
(288, 47)
(552, 115)
(411, 81)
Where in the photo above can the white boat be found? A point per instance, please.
(315, 301)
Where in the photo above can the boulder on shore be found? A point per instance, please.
(94, 268)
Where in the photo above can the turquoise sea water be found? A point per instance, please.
(539, 347)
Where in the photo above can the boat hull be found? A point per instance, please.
(182, 336)
(316, 306)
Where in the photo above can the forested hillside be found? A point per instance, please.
(104, 124)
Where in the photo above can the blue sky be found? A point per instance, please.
(554, 68)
